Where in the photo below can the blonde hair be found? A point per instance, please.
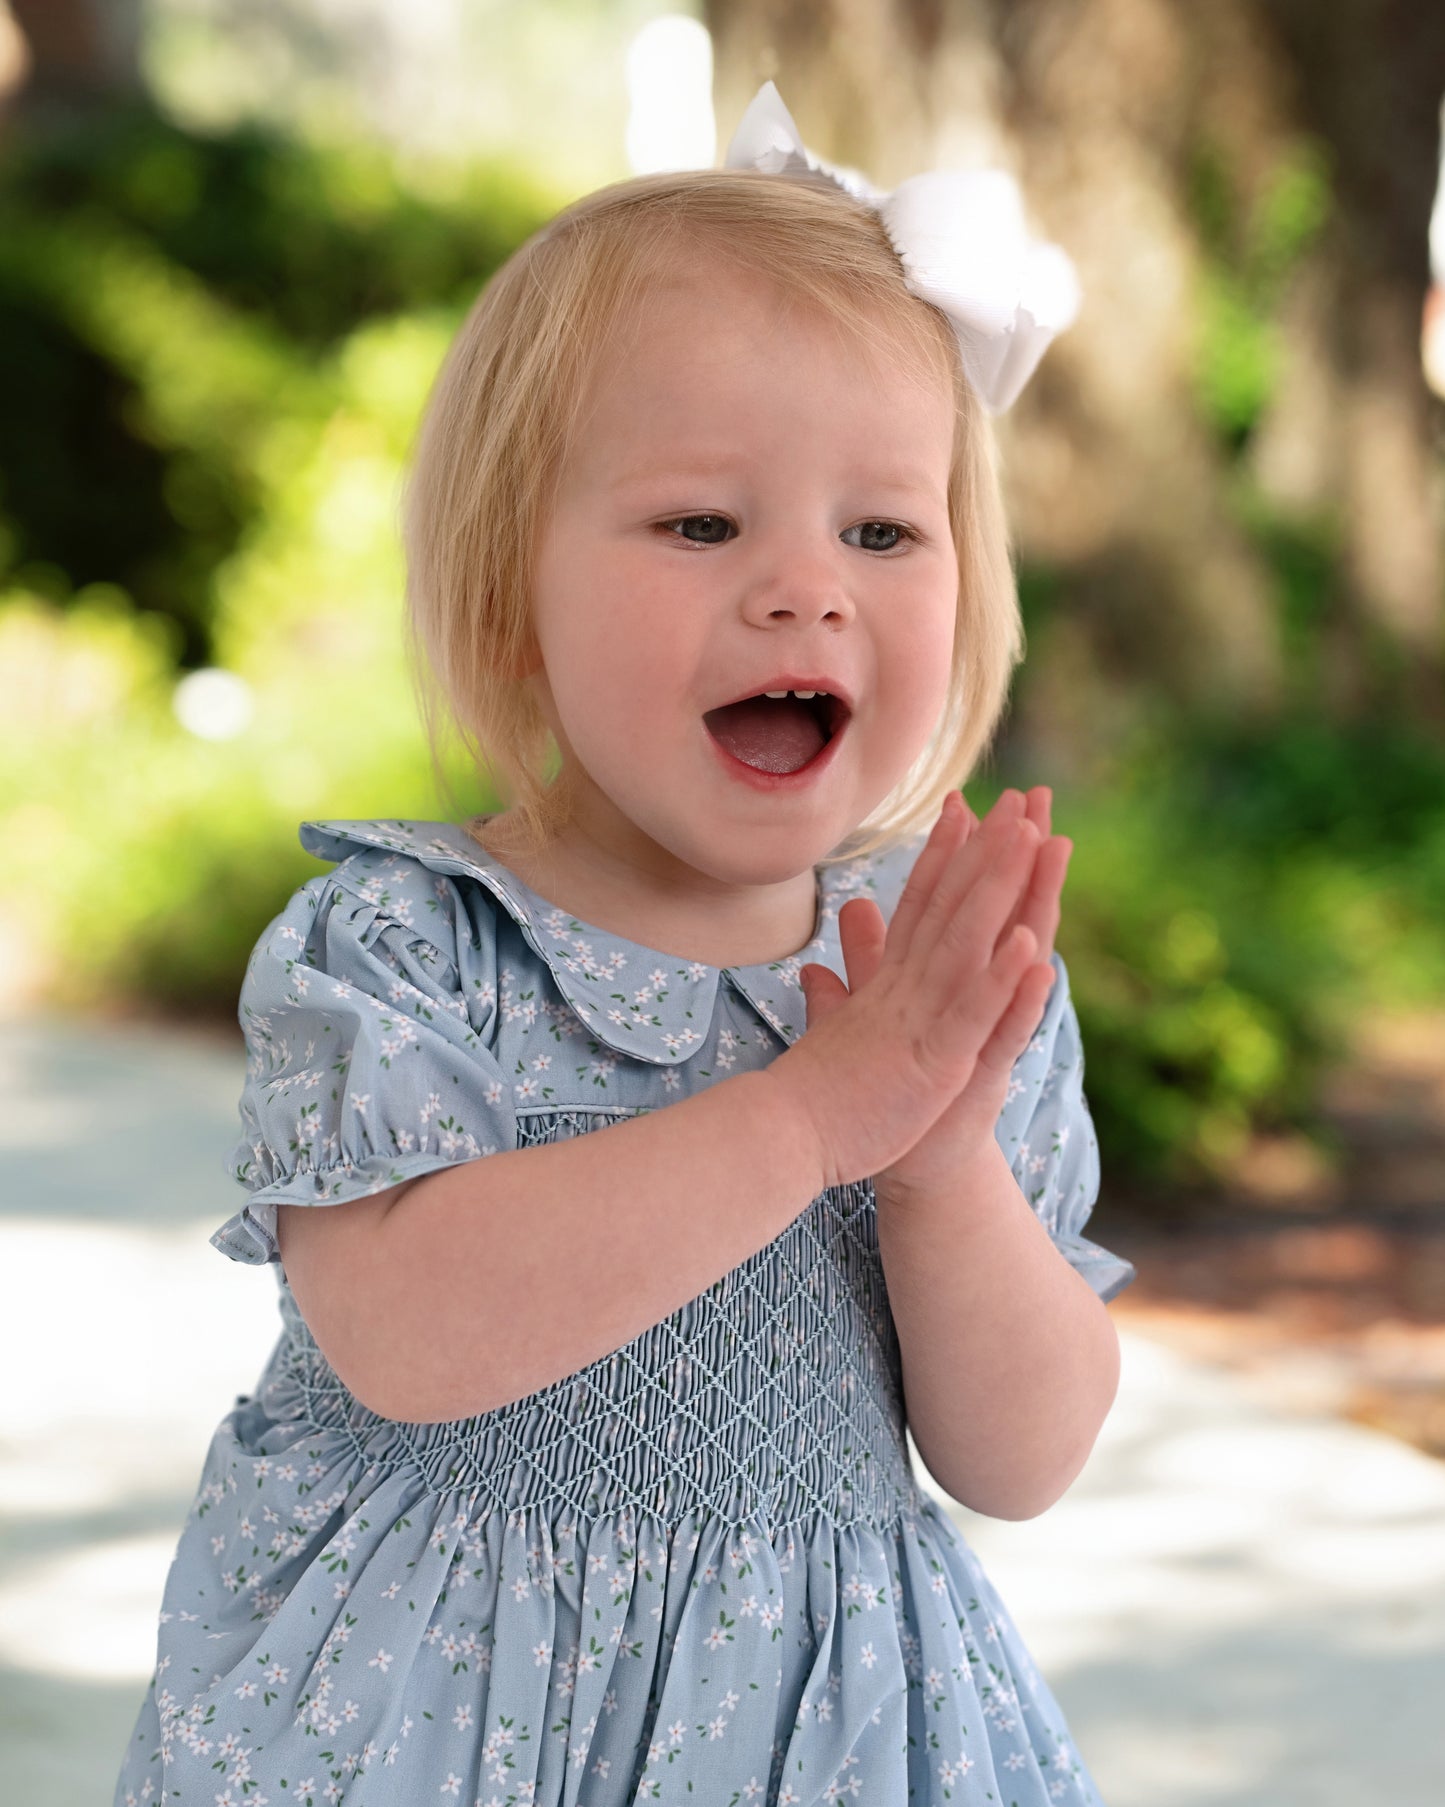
(507, 402)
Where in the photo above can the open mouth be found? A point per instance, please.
(778, 734)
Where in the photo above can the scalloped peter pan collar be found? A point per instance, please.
(592, 966)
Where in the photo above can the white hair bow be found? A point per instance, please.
(963, 243)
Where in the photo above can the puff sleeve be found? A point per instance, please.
(363, 1065)
(1048, 1135)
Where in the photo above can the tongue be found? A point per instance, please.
(774, 735)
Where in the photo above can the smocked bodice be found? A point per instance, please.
(773, 1396)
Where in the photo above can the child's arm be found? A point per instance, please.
(1010, 1358)
(480, 1283)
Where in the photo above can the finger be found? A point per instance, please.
(823, 992)
(967, 865)
(1038, 907)
(862, 930)
(948, 834)
(985, 998)
(1019, 1021)
(1034, 906)
(1001, 876)
(1034, 803)
(1008, 806)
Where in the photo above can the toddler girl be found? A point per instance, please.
(618, 1237)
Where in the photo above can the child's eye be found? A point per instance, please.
(875, 535)
(714, 528)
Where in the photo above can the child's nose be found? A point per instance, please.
(802, 582)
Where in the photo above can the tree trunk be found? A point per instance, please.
(1117, 476)
(1367, 78)
(78, 54)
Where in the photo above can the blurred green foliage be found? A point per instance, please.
(214, 353)
(1235, 901)
(169, 301)
(1250, 249)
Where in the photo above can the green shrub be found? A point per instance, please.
(166, 299)
(1234, 903)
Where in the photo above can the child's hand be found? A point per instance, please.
(904, 1071)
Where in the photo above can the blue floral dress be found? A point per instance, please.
(698, 1570)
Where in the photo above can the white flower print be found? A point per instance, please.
(501, 1025)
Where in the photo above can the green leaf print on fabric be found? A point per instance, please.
(701, 1566)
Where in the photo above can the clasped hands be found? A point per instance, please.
(966, 1128)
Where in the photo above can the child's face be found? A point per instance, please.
(803, 452)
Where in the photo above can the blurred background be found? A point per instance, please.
(235, 239)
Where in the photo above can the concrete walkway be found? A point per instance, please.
(1233, 1604)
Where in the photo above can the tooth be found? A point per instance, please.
(804, 695)
(775, 693)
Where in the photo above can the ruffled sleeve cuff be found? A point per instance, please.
(1107, 1273)
(363, 1071)
(250, 1235)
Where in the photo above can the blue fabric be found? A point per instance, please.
(700, 1569)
